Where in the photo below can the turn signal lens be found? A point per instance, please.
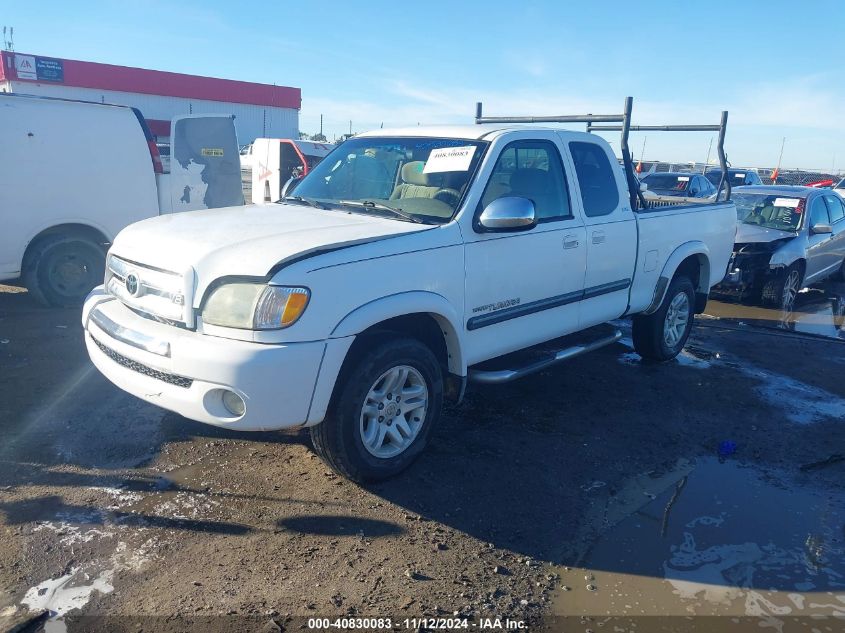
(297, 302)
(280, 307)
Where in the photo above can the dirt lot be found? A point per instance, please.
(602, 488)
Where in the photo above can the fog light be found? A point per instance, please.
(234, 403)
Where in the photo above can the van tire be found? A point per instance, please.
(649, 330)
(340, 439)
(61, 270)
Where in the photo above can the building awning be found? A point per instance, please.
(70, 72)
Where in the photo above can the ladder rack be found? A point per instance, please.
(624, 126)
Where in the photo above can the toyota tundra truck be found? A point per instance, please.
(405, 265)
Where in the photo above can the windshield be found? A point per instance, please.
(737, 177)
(841, 184)
(773, 212)
(425, 178)
(667, 182)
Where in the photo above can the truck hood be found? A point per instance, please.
(247, 240)
(754, 234)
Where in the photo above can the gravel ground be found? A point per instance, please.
(115, 508)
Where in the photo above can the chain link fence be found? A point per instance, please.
(798, 177)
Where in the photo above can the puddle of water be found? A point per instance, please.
(819, 311)
(718, 540)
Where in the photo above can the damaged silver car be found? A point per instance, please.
(787, 238)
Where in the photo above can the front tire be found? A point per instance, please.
(782, 291)
(385, 407)
(661, 336)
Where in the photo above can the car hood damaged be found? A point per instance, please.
(249, 240)
(755, 234)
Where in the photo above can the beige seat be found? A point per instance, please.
(415, 184)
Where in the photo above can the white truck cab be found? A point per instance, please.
(402, 267)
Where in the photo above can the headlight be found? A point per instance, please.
(252, 306)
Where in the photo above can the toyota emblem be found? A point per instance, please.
(133, 284)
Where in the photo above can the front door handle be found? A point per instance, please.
(570, 241)
(598, 237)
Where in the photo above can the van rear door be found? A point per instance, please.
(205, 167)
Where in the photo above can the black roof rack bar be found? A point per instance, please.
(655, 128)
(573, 118)
(625, 127)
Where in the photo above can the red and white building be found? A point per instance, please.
(261, 110)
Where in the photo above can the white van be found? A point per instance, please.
(276, 161)
(74, 173)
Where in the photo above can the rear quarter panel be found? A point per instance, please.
(69, 163)
(662, 232)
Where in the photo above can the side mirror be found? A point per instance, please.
(643, 186)
(821, 228)
(508, 213)
(289, 186)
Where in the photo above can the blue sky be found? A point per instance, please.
(776, 66)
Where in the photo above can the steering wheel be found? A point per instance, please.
(448, 196)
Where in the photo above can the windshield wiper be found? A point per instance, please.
(378, 206)
(308, 201)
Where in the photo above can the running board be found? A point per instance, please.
(497, 377)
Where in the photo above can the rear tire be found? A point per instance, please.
(383, 411)
(661, 336)
(62, 269)
(781, 291)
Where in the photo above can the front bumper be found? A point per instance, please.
(745, 275)
(187, 372)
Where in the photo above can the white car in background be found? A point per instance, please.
(247, 156)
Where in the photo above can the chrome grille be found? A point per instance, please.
(171, 379)
(151, 291)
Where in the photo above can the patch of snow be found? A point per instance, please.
(68, 592)
(121, 497)
(802, 403)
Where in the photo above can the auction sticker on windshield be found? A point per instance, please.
(449, 159)
(790, 203)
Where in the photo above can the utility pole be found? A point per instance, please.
(780, 158)
(321, 125)
(639, 168)
(9, 43)
(707, 160)
(350, 127)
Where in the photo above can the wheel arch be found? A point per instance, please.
(69, 229)
(416, 314)
(423, 315)
(692, 259)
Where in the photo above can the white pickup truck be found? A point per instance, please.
(399, 269)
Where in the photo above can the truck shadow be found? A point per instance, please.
(546, 466)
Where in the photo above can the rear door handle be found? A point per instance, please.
(598, 237)
(570, 241)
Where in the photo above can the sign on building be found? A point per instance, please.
(39, 68)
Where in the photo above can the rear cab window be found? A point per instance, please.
(599, 191)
